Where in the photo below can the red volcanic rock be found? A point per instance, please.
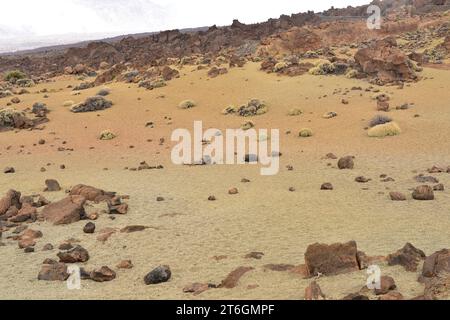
(385, 61)
(91, 193)
(437, 263)
(65, 211)
(74, 255)
(12, 198)
(408, 257)
(53, 272)
(103, 274)
(233, 277)
(331, 259)
(313, 292)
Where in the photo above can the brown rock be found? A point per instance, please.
(423, 193)
(89, 227)
(65, 211)
(437, 263)
(125, 264)
(392, 295)
(362, 179)
(233, 277)
(397, 196)
(355, 296)
(27, 212)
(53, 272)
(130, 229)
(77, 254)
(313, 292)
(52, 185)
(26, 243)
(437, 288)
(233, 191)
(105, 234)
(326, 186)
(91, 193)
(385, 61)
(386, 284)
(383, 106)
(254, 255)
(196, 288)
(12, 198)
(408, 257)
(346, 163)
(279, 267)
(103, 274)
(331, 259)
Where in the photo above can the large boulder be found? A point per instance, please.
(383, 60)
(408, 257)
(53, 272)
(65, 211)
(331, 259)
(11, 199)
(437, 263)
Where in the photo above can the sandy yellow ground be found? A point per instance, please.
(264, 216)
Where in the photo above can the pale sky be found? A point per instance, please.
(25, 20)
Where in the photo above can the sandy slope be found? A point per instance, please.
(264, 216)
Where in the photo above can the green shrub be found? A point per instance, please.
(107, 135)
(13, 76)
(384, 130)
(305, 133)
(295, 112)
(187, 104)
(323, 67)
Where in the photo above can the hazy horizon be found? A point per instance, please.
(48, 23)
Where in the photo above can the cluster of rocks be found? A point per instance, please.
(384, 62)
(326, 260)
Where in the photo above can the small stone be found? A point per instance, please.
(326, 186)
(89, 227)
(52, 185)
(47, 247)
(362, 179)
(9, 170)
(158, 275)
(397, 196)
(103, 274)
(346, 163)
(386, 284)
(77, 254)
(423, 193)
(233, 191)
(211, 198)
(254, 255)
(125, 264)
